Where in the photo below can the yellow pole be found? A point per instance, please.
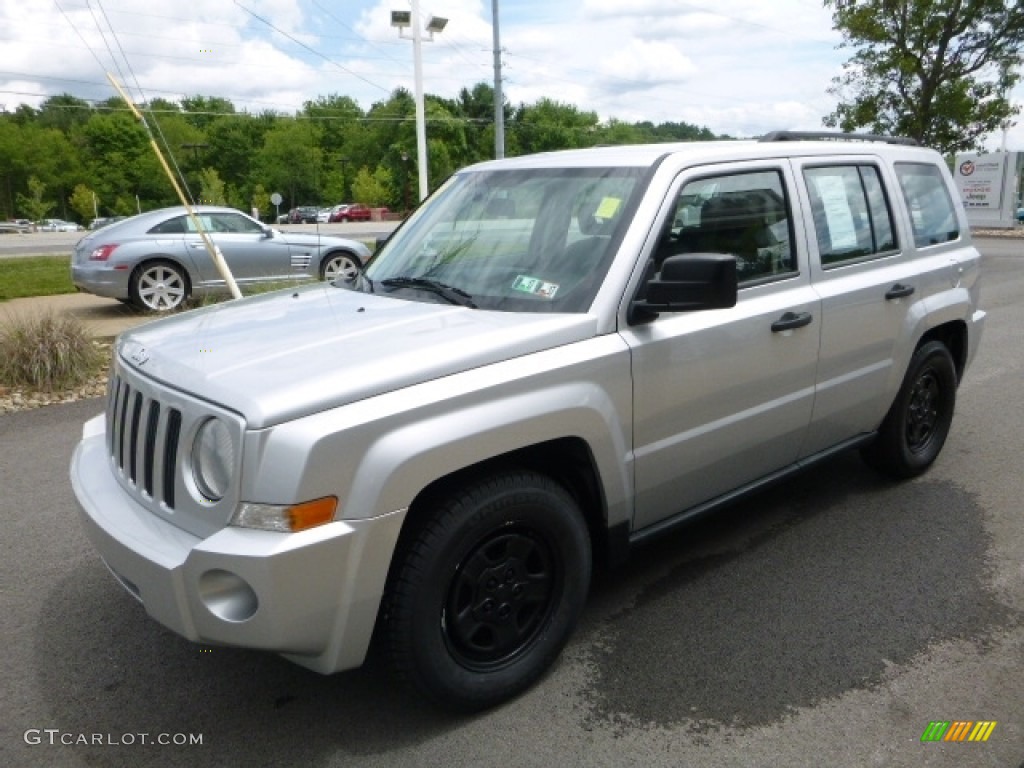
(211, 247)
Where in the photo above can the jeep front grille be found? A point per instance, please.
(142, 438)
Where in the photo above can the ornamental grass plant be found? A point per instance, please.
(47, 353)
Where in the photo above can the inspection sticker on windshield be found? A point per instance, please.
(535, 286)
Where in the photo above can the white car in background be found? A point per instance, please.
(57, 225)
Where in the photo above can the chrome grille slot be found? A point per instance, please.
(134, 430)
(170, 459)
(150, 446)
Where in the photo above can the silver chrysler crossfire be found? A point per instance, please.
(157, 260)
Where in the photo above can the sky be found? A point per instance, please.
(737, 67)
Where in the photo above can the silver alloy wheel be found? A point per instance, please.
(160, 287)
(340, 267)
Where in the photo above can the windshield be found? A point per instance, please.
(537, 240)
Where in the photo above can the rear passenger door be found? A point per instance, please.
(724, 397)
(868, 281)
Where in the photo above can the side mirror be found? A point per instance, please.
(688, 282)
(267, 233)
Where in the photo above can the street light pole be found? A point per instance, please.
(403, 19)
(499, 99)
(421, 118)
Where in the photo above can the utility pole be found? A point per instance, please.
(499, 99)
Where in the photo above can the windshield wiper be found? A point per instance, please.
(449, 293)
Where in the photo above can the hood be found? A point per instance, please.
(283, 355)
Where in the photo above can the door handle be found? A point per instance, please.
(898, 291)
(792, 320)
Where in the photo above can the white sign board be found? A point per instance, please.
(980, 180)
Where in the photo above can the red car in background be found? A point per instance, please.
(354, 212)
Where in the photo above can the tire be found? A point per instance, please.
(159, 286)
(915, 429)
(343, 266)
(488, 591)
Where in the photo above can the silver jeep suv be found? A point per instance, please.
(554, 358)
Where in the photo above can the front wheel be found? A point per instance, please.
(488, 591)
(339, 266)
(915, 429)
(159, 286)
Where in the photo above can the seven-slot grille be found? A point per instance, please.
(142, 439)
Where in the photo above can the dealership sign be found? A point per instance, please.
(980, 180)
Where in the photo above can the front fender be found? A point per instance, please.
(376, 455)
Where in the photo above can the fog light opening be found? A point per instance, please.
(227, 596)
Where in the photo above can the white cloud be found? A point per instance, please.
(737, 66)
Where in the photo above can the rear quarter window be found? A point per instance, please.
(932, 215)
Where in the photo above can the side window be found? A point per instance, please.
(204, 219)
(175, 226)
(932, 215)
(850, 211)
(232, 222)
(745, 215)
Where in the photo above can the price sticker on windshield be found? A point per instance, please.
(535, 287)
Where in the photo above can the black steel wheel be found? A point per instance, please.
(916, 427)
(488, 590)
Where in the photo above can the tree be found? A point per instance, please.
(83, 202)
(32, 204)
(211, 188)
(938, 71)
(289, 160)
(372, 188)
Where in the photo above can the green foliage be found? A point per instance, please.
(35, 276)
(47, 352)
(372, 188)
(211, 188)
(32, 205)
(83, 202)
(261, 200)
(939, 71)
(309, 158)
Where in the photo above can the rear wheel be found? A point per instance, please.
(488, 591)
(915, 429)
(159, 286)
(339, 266)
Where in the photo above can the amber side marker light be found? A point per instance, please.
(285, 518)
(312, 513)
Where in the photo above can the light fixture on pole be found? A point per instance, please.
(435, 24)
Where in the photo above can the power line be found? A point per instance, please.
(316, 53)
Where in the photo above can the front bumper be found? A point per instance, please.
(312, 596)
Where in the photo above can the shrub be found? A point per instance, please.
(47, 352)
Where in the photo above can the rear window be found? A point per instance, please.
(851, 213)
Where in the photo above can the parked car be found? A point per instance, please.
(304, 214)
(543, 368)
(352, 212)
(19, 226)
(57, 225)
(158, 260)
(103, 221)
(323, 215)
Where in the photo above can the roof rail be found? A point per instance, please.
(836, 136)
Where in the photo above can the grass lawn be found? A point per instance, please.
(35, 276)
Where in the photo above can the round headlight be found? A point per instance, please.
(213, 459)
